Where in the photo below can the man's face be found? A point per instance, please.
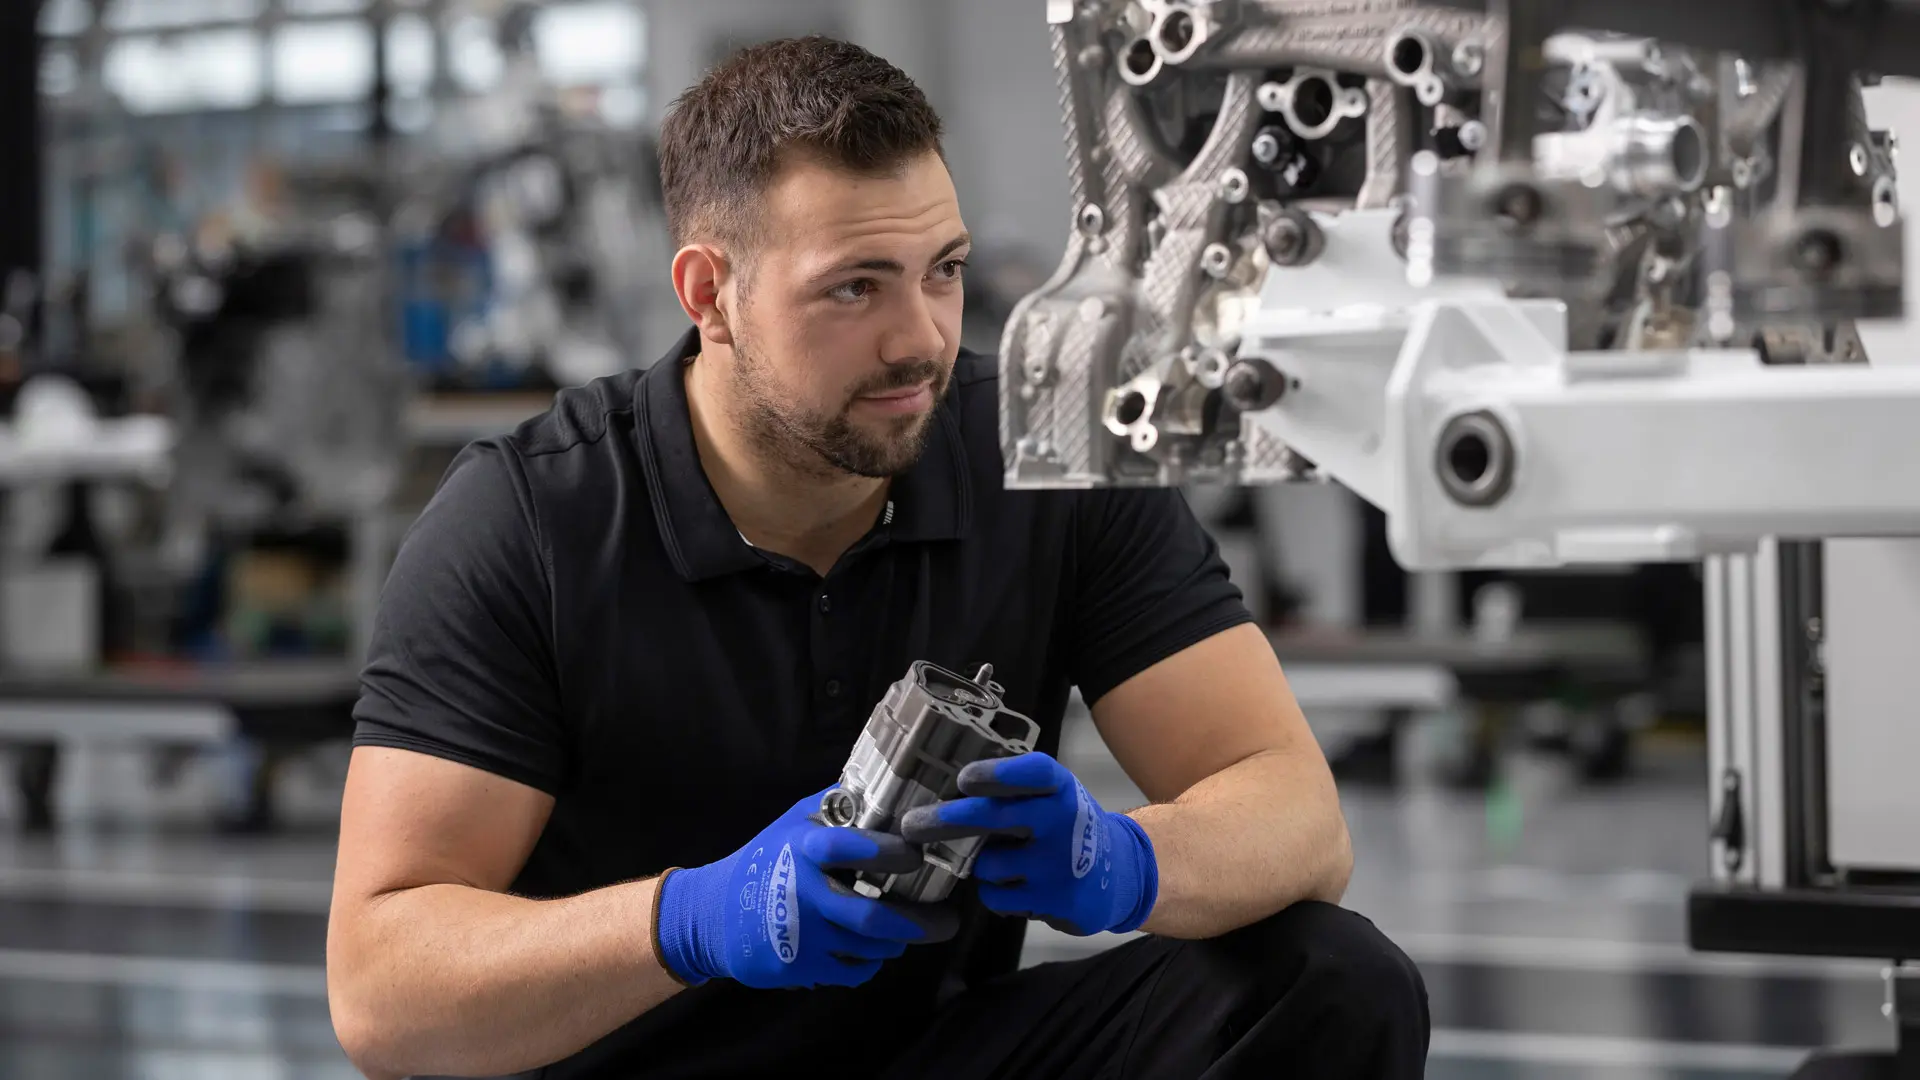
(849, 324)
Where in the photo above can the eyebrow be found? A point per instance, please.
(890, 266)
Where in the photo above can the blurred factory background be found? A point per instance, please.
(265, 265)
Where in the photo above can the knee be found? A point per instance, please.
(1335, 957)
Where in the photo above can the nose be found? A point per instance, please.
(916, 334)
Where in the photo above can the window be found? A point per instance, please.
(323, 7)
(159, 14)
(315, 63)
(214, 69)
(409, 55)
(591, 42)
(65, 18)
(473, 54)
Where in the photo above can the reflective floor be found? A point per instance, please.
(1548, 917)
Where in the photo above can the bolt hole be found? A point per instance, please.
(1313, 102)
(1140, 58)
(1009, 727)
(1689, 157)
(1518, 205)
(1409, 56)
(1131, 408)
(1177, 32)
(838, 809)
(1470, 457)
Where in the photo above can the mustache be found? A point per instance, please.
(902, 376)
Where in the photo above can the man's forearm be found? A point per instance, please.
(1245, 843)
(446, 979)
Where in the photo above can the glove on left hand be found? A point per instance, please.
(1053, 853)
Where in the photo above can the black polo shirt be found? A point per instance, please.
(576, 612)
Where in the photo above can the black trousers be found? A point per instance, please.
(1315, 991)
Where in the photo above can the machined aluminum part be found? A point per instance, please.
(1651, 197)
(928, 726)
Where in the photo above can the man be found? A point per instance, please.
(628, 646)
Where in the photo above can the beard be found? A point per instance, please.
(807, 439)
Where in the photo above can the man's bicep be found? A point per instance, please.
(409, 819)
(1201, 710)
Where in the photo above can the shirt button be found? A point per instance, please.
(826, 603)
(832, 688)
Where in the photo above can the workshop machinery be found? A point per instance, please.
(1551, 283)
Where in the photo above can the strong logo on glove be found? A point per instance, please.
(783, 924)
(1086, 840)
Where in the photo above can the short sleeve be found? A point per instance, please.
(460, 664)
(1148, 582)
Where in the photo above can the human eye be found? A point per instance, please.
(951, 270)
(852, 291)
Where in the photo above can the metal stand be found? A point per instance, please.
(1777, 888)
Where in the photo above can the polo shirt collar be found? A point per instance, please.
(931, 501)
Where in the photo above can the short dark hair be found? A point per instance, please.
(723, 140)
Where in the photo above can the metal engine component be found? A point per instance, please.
(928, 726)
(1341, 193)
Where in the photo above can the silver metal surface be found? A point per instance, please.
(1200, 134)
(1871, 620)
(928, 726)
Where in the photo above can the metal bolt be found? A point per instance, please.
(1210, 370)
(1817, 252)
(1519, 204)
(1857, 158)
(1234, 186)
(1469, 58)
(1092, 220)
(1272, 96)
(1266, 148)
(1292, 239)
(1216, 260)
(1284, 239)
(1251, 385)
(1473, 136)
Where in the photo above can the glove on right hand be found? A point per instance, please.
(770, 916)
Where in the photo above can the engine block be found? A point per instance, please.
(1230, 159)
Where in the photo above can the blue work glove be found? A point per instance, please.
(769, 915)
(1053, 854)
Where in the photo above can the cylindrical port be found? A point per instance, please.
(1518, 205)
(1309, 107)
(1216, 260)
(1817, 253)
(1253, 384)
(1475, 459)
(839, 808)
(1129, 407)
(1139, 63)
(1659, 155)
(1410, 57)
(1177, 34)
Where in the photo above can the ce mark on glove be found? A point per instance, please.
(1052, 854)
(770, 915)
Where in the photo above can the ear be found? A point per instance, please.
(700, 277)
